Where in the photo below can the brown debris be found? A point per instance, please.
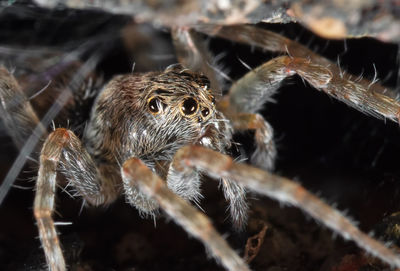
(254, 243)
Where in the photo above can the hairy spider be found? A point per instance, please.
(174, 126)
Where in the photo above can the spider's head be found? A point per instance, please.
(152, 115)
(180, 94)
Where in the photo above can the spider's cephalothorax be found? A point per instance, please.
(150, 116)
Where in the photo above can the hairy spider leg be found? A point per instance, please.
(254, 89)
(16, 111)
(192, 51)
(218, 165)
(63, 149)
(265, 153)
(193, 221)
(366, 96)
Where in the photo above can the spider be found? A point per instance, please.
(174, 125)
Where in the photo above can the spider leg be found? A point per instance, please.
(274, 42)
(16, 111)
(192, 220)
(250, 92)
(344, 89)
(265, 153)
(193, 53)
(284, 190)
(366, 96)
(63, 148)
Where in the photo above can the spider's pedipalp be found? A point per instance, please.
(235, 194)
(185, 184)
(193, 221)
(284, 190)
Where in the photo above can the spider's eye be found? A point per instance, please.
(212, 99)
(189, 107)
(205, 112)
(154, 105)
